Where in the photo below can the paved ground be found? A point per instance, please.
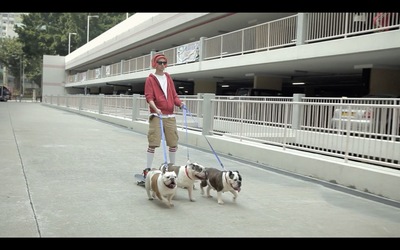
(67, 175)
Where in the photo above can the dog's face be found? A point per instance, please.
(235, 180)
(169, 179)
(198, 170)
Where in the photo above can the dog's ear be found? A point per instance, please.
(164, 168)
(193, 165)
(240, 177)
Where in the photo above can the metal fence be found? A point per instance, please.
(359, 129)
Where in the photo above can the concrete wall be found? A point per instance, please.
(385, 81)
(265, 82)
(54, 76)
(205, 86)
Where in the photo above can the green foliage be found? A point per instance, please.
(11, 56)
(48, 34)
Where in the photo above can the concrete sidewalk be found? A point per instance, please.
(67, 175)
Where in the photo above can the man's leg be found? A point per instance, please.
(154, 139)
(150, 156)
(172, 153)
(171, 137)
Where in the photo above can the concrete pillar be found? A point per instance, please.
(297, 111)
(80, 102)
(301, 28)
(208, 113)
(101, 103)
(201, 48)
(135, 107)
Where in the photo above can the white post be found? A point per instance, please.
(69, 41)
(208, 117)
(20, 79)
(88, 21)
(23, 78)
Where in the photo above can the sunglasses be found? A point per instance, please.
(161, 63)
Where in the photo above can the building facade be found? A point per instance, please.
(319, 54)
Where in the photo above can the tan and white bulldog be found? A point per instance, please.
(222, 181)
(161, 184)
(187, 176)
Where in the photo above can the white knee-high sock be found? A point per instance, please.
(172, 153)
(150, 157)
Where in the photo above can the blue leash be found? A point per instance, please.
(163, 142)
(185, 126)
(185, 110)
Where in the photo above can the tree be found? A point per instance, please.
(11, 57)
(47, 34)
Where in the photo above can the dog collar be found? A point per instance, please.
(186, 172)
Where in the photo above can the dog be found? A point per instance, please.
(161, 184)
(222, 181)
(187, 176)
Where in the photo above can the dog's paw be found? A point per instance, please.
(220, 202)
(151, 198)
(192, 199)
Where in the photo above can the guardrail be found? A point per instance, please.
(329, 126)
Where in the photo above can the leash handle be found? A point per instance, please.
(163, 141)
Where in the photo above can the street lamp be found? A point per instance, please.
(69, 41)
(23, 76)
(88, 19)
(20, 57)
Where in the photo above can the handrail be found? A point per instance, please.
(276, 34)
(360, 129)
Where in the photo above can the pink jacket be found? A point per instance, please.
(153, 91)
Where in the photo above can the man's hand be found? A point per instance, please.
(158, 111)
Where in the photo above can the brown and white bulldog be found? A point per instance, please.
(187, 176)
(222, 181)
(161, 184)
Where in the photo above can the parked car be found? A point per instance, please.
(5, 94)
(370, 119)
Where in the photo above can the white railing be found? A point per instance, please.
(323, 26)
(359, 129)
(275, 34)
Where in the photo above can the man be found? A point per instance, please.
(160, 93)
